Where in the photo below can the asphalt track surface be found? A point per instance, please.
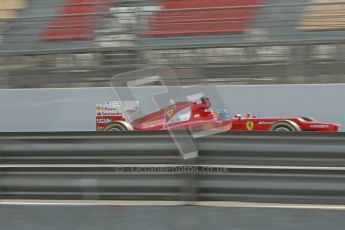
(33, 217)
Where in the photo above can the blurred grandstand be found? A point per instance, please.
(69, 43)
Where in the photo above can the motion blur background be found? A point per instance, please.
(83, 43)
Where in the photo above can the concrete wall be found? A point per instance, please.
(74, 109)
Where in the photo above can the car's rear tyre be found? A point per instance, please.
(114, 127)
(285, 126)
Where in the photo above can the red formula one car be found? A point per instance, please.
(199, 115)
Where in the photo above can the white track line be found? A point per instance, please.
(90, 202)
(227, 204)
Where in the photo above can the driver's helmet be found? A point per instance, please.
(223, 113)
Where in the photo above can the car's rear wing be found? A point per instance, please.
(112, 111)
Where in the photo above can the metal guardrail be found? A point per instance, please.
(233, 166)
(253, 148)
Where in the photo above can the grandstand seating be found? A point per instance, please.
(324, 15)
(202, 17)
(9, 8)
(76, 20)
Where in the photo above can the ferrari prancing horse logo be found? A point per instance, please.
(250, 125)
(170, 112)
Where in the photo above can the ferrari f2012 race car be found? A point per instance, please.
(199, 115)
